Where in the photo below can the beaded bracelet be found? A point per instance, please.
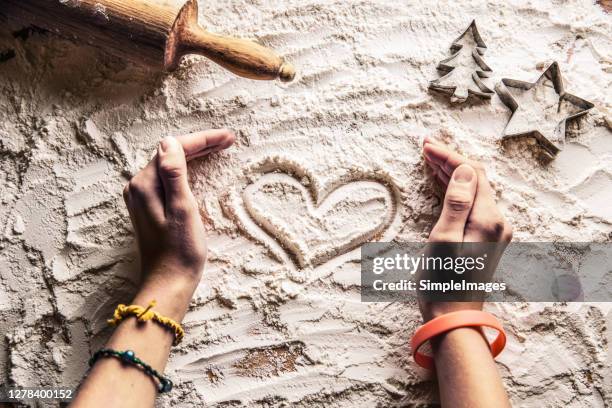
(128, 357)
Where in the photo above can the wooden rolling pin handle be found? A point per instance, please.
(242, 57)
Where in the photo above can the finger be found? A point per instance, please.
(206, 152)
(445, 158)
(442, 178)
(431, 140)
(128, 204)
(199, 144)
(439, 174)
(143, 195)
(486, 224)
(172, 169)
(458, 202)
(448, 160)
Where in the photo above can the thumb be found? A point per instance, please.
(172, 169)
(458, 202)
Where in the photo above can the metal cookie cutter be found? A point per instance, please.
(465, 68)
(542, 109)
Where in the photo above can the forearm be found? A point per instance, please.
(112, 383)
(466, 371)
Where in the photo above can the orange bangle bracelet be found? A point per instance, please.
(454, 320)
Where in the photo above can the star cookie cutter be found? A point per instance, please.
(468, 78)
(546, 126)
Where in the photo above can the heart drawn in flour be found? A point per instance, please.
(314, 230)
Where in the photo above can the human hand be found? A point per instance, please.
(170, 233)
(469, 214)
(172, 246)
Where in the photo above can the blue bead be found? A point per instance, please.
(166, 386)
(129, 354)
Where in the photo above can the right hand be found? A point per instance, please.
(469, 214)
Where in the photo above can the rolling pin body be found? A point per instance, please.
(155, 32)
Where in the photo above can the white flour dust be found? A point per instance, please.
(320, 166)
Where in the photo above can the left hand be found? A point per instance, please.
(170, 233)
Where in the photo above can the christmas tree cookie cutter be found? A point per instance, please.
(540, 109)
(465, 68)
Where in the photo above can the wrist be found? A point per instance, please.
(467, 334)
(431, 310)
(173, 295)
(462, 325)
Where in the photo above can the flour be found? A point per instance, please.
(279, 320)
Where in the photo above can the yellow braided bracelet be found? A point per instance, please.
(146, 314)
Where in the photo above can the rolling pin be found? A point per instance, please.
(154, 32)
